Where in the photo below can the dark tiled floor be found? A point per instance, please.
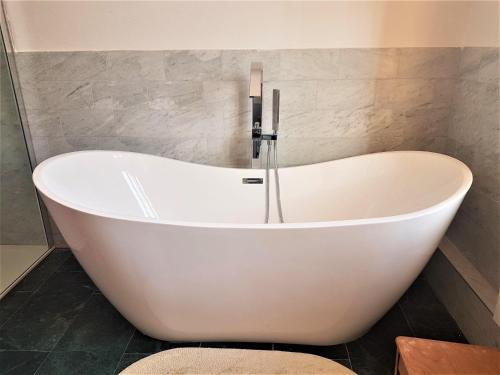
(56, 322)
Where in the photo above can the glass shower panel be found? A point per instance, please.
(22, 235)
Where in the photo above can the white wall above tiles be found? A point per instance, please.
(164, 25)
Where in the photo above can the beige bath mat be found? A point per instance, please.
(187, 361)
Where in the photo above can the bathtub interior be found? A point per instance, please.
(140, 186)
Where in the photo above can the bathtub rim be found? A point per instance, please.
(458, 194)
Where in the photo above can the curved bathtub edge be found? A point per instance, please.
(457, 195)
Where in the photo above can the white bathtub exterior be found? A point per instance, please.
(180, 249)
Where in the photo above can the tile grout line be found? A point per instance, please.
(348, 356)
(41, 363)
(69, 325)
(125, 349)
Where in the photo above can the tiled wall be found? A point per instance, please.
(193, 105)
(475, 139)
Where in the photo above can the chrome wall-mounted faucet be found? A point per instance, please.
(271, 139)
(256, 78)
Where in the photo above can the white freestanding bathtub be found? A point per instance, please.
(182, 252)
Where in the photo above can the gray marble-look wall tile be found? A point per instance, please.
(426, 123)
(487, 171)
(426, 129)
(295, 151)
(135, 65)
(12, 147)
(175, 97)
(44, 124)
(308, 64)
(483, 210)
(9, 112)
(428, 62)
(204, 94)
(46, 147)
(345, 94)
(295, 97)
(480, 64)
(189, 112)
(192, 65)
(404, 94)
(92, 122)
(236, 127)
(479, 246)
(229, 152)
(55, 96)
(484, 166)
(231, 99)
(188, 149)
(366, 122)
(139, 121)
(390, 139)
(476, 114)
(62, 66)
(443, 92)
(236, 64)
(148, 145)
(307, 124)
(200, 121)
(19, 218)
(121, 94)
(368, 63)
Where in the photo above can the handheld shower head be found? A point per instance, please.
(276, 110)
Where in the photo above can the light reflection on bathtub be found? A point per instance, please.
(140, 195)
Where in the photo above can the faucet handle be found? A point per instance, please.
(276, 110)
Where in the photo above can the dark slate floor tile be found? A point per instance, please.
(43, 271)
(11, 303)
(166, 345)
(128, 359)
(331, 351)
(238, 345)
(20, 362)
(344, 362)
(42, 321)
(143, 344)
(427, 317)
(98, 327)
(71, 265)
(375, 352)
(368, 365)
(79, 363)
